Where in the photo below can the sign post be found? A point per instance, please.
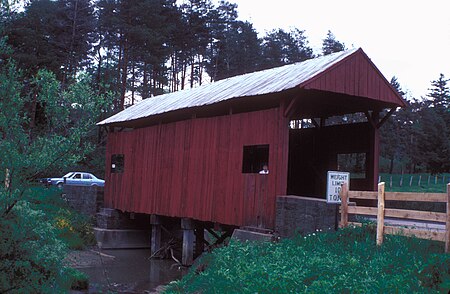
(335, 179)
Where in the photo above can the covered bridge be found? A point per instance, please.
(197, 153)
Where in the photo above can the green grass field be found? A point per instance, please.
(428, 183)
(346, 261)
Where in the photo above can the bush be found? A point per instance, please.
(31, 253)
(34, 238)
(76, 280)
(73, 228)
(347, 261)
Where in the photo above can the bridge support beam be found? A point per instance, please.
(155, 242)
(187, 257)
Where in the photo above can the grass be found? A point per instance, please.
(431, 186)
(346, 261)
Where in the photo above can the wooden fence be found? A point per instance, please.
(399, 220)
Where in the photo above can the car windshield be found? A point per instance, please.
(68, 175)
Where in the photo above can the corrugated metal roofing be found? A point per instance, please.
(251, 84)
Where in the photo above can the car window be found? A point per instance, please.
(77, 176)
(68, 175)
(87, 176)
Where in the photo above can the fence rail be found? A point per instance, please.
(401, 218)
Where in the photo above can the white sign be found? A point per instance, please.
(335, 179)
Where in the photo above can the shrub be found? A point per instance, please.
(75, 280)
(30, 252)
(347, 261)
(34, 237)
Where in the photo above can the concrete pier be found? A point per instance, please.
(121, 239)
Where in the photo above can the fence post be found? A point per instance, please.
(447, 225)
(380, 215)
(344, 206)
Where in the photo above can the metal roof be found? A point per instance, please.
(252, 84)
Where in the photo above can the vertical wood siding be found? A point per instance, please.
(356, 76)
(193, 169)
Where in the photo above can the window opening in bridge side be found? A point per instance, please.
(117, 163)
(254, 158)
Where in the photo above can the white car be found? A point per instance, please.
(76, 179)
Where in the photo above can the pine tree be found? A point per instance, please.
(439, 95)
(433, 135)
(390, 132)
(280, 47)
(331, 45)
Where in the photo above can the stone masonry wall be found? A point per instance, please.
(295, 214)
(84, 199)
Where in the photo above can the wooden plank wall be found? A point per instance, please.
(355, 76)
(193, 169)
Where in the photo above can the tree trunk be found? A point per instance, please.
(123, 89)
(183, 74)
(192, 75)
(391, 165)
(119, 67)
(133, 82)
(144, 93)
(99, 66)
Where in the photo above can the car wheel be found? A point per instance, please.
(60, 185)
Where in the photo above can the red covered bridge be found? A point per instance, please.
(197, 153)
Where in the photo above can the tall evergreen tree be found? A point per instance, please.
(390, 133)
(76, 34)
(433, 142)
(237, 53)
(56, 35)
(280, 47)
(189, 42)
(439, 95)
(331, 45)
(433, 134)
(135, 37)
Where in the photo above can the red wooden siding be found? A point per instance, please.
(356, 75)
(193, 169)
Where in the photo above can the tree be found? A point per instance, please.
(439, 95)
(433, 136)
(31, 255)
(75, 34)
(280, 47)
(189, 43)
(439, 99)
(238, 52)
(135, 36)
(58, 137)
(390, 133)
(56, 35)
(331, 45)
(432, 141)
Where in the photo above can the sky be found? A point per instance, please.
(406, 39)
